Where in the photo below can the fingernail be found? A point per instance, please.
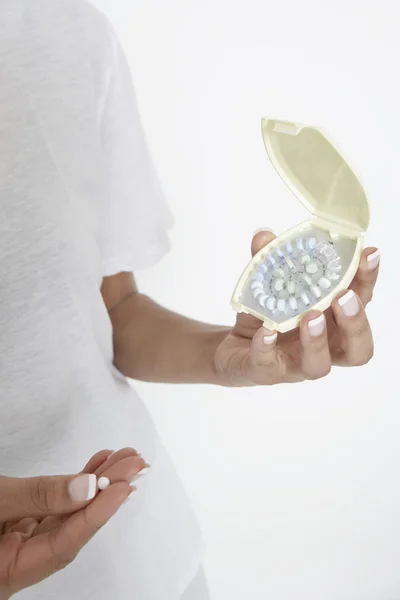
(141, 473)
(103, 483)
(110, 455)
(316, 327)
(270, 339)
(373, 260)
(130, 495)
(349, 304)
(263, 229)
(83, 488)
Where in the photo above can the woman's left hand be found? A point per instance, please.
(251, 355)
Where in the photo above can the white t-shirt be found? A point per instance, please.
(79, 200)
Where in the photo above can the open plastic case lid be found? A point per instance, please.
(317, 174)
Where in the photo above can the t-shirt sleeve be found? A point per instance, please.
(135, 216)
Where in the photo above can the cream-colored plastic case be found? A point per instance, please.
(306, 267)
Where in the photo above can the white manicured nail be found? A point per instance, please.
(103, 483)
(83, 488)
(130, 495)
(141, 474)
(349, 304)
(270, 339)
(373, 260)
(316, 327)
(263, 230)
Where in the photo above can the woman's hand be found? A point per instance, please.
(46, 521)
(251, 355)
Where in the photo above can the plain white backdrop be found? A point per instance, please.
(298, 487)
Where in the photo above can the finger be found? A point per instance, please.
(262, 237)
(365, 279)
(116, 457)
(267, 364)
(50, 524)
(126, 469)
(46, 554)
(355, 341)
(79, 529)
(247, 325)
(26, 526)
(316, 358)
(97, 460)
(43, 496)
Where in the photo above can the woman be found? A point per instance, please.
(81, 209)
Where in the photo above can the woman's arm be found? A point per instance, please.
(154, 344)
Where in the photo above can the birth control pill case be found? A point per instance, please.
(306, 267)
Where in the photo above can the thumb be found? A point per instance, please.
(44, 496)
(261, 238)
(247, 325)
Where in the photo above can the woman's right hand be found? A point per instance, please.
(46, 521)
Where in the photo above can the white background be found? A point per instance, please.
(297, 487)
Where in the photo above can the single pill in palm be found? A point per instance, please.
(103, 483)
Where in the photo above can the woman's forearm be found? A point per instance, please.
(155, 344)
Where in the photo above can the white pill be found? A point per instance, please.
(307, 279)
(258, 277)
(316, 291)
(262, 299)
(103, 483)
(324, 283)
(271, 303)
(312, 268)
(311, 243)
(289, 247)
(281, 305)
(291, 287)
(305, 298)
(279, 273)
(293, 303)
(257, 284)
(332, 275)
(299, 243)
(306, 259)
(290, 264)
(259, 292)
(334, 265)
(279, 285)
(279, 253)
(262, 268)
